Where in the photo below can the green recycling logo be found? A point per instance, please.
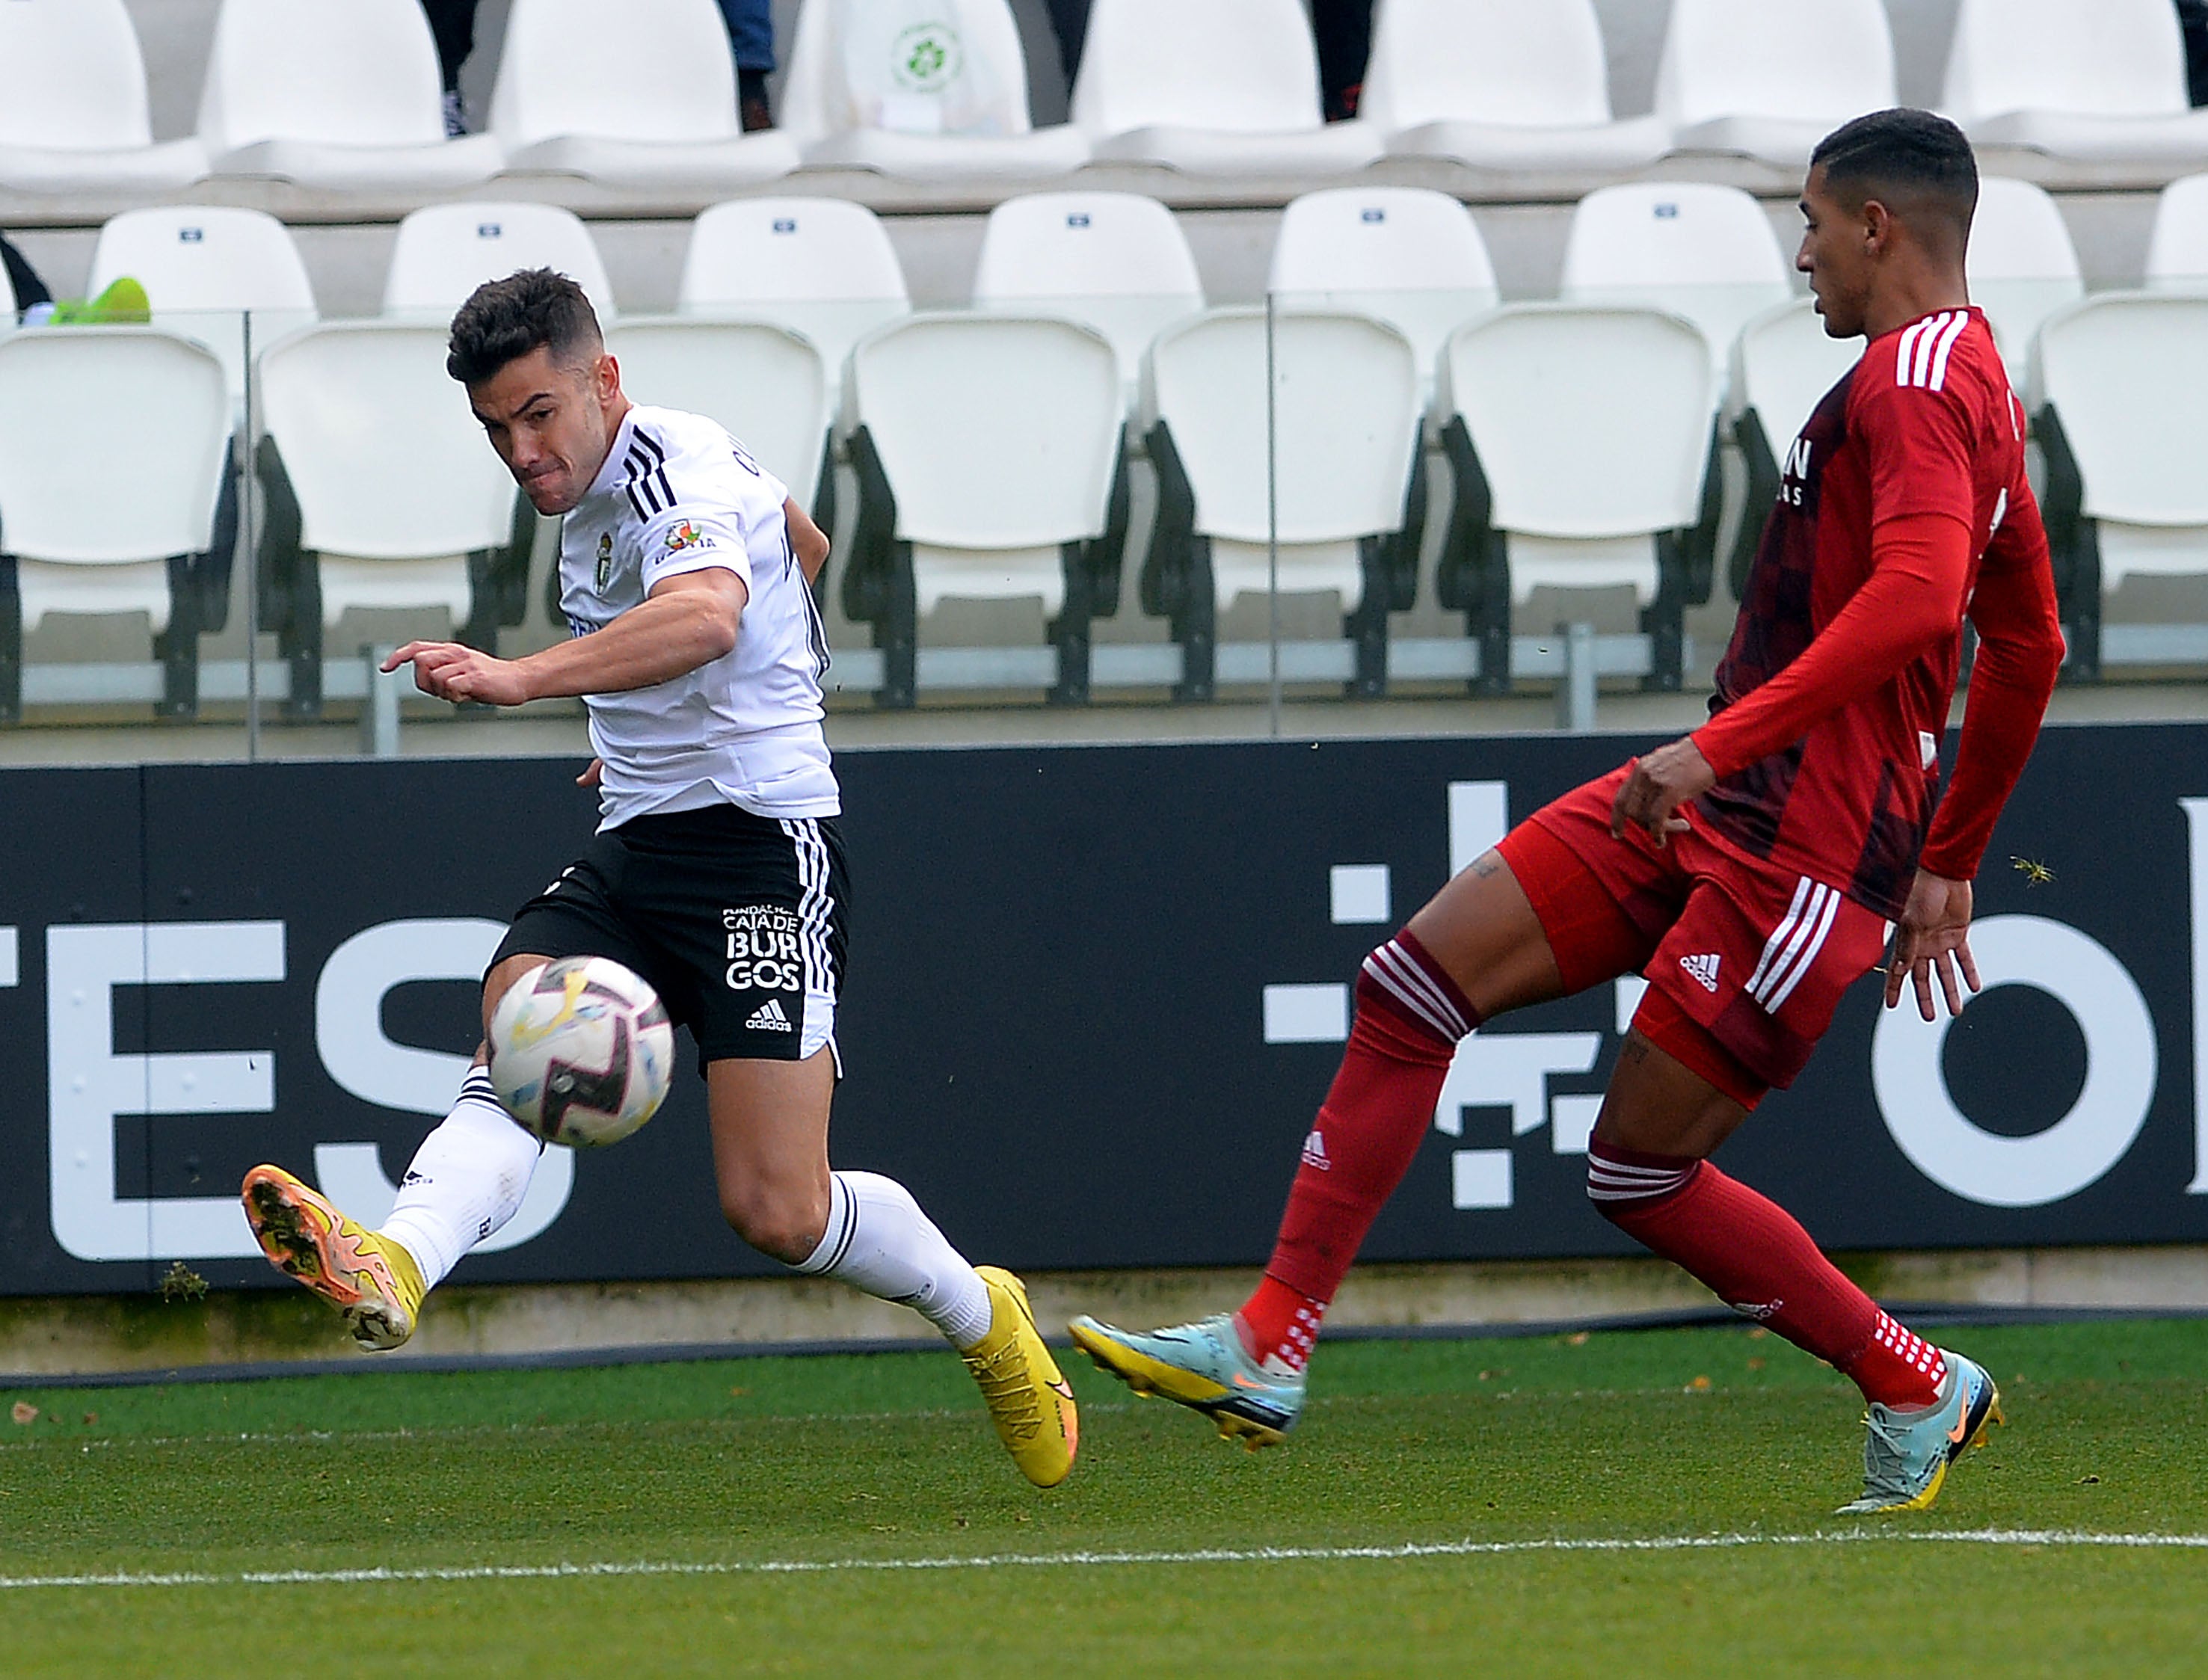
(925, 58)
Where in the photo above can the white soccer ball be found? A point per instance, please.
(581, 1051)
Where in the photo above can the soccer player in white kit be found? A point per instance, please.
(686, 574)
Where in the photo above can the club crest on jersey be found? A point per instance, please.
(684, 535)
(605, 560)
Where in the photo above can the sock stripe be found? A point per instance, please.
(1399, 973)
(1612, 1180)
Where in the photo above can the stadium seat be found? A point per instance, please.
(444, 251)
(204, 268)
(334, 97)
(380, 492)
(2022, 264)
(632, 95)
(94, 521)
(1580, 439)
(1117, 261)
(2100, 83)
(1410, 256)
(1212, 87)
(2119, 391)
(1705, 252)
(1768, 78)
(1346, 418)
(73, 116)
(2177, 250)
(988, 448)
(1500, 84)
(821, 267)
(1782, 363)
(767, 384)
(944, 98)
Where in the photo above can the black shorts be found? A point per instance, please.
(736, 921)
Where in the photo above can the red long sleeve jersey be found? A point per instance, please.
(1827, 723)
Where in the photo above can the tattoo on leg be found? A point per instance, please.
(1634, 1049)
(1487, 864)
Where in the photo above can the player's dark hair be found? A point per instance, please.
(505, 320)
(1912, 160)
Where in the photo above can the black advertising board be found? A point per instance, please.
(1096, 993)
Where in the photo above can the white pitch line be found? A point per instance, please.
(1411, 1550)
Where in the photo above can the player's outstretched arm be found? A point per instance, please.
(1933, 938)
(689, 619)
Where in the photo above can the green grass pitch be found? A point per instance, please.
(1652, 1502)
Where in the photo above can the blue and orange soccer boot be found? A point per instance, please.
(1905, 1457)
(1205, 1366)
(1029, 1401)
(371, 1279)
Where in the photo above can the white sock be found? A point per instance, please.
(466, 1180)
(879, 1240)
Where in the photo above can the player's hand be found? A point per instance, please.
(593, 773)
(1656, 786)
(1933, 937)
(453, 671)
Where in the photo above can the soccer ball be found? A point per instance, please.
(581, 1051)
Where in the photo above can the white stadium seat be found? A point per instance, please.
(1783, 363)
(765, 384)
(204, 267)
(337, 97)
(74, 116)
(1769, 79)
(2120, 387)
(369, 404)
(1117, 261)
(2022, 264)
(87, 537)
(989, 444)
(1346, 419)
(1500, 84)
(1702, 251)
(1211, 86)
(939, 94)
(2177, 250)
(444, 251)
(2101, 81)
(631, 95)
(1582, 439)
(821, 267)
(1411, 257)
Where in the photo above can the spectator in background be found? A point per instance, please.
(2193, 24)
(23, 279)
(751, 39)
(453, 25)
(1341, 30)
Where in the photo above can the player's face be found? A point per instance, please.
(1836, 257)
(551, 425)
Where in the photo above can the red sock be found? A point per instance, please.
(1761, 1262)
(1409, 1017)
(1279, 1323)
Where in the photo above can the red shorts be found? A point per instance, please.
(1745, 960)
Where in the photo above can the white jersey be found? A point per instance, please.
(677, 494)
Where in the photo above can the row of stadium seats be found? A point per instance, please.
(346, 98)
(991, 446)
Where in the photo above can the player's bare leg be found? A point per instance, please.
(1648, 1173)
(466, 1180)
(769, 1125)
(1477, 949)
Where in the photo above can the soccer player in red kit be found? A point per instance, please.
(1749, 868)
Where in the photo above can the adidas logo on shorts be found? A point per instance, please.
(768, 1017)
(1704, 969)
